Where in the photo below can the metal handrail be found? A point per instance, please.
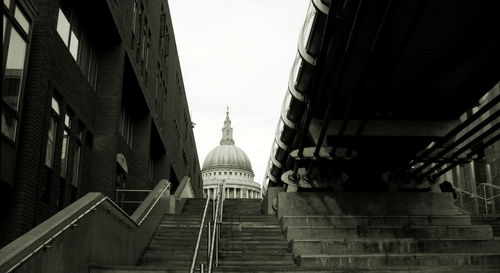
(493, 186)
(213, 233)
(469, 193)
(214, 241)
(485, 198)
(202, 224)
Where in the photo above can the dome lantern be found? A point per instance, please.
(227, 131)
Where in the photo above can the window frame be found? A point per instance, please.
(11, 23)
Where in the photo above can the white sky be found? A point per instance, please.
(239, 54)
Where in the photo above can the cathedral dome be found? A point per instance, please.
(227, 155)
(230, 164)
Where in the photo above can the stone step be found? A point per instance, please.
(232, 245)
(249, 218)
(402, 246)
(284, 258)
(161, 261)
(417, 232)
(252, 263)
(277, 269)
(375, 220)
(250, 224)
(176, 256)
(255, 251)
(246, 239)
(380, 260)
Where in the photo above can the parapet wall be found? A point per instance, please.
(365, 203)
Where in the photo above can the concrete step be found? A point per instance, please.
(300, 269)
(255, 251)
(393, 246)
(162, 261)
(417, 232)
(375, 220)
(380, 260)
(488, 219)
(252, 263)
(259, 246)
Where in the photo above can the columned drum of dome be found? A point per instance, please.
(229, 163)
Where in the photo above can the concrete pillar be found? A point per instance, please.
(234, 192)
(246, 193)
(241, 193)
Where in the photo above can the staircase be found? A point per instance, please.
(252, 241)
(171, 248)
(258, 243)
(393, 243)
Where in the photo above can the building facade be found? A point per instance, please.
(230, 164)
(92, 100)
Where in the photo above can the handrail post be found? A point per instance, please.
(485, 198)
(202, 224)
(208, 241)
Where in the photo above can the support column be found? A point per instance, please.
(246, 193)
(234, 192)
(241, 193)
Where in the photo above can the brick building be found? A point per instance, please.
(92, 100)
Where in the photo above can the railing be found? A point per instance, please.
(488, 188)
(213, 232)
(33, 251)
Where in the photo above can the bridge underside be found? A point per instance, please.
(394, 88)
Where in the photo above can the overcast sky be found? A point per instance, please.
(239, 54)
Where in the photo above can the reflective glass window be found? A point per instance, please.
(64, 153)
(4, 25)
(51, 138)
(9, 125)
(55, 106)
(22, 20)
(67, 121)
(76, 166)
(73, 46)
(63, 27)
(14, 69)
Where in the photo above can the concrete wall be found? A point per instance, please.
(104, 236)
(364, 203)
(269, 198)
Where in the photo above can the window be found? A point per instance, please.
(79, 43)
(68, 32)
(126, 126)
(76, 161)
(51, 133)
(15, 40)
(65, 145)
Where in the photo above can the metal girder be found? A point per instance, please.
(387, 128)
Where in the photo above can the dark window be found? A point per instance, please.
(65, 145)
(51, 133)
(126, 126)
